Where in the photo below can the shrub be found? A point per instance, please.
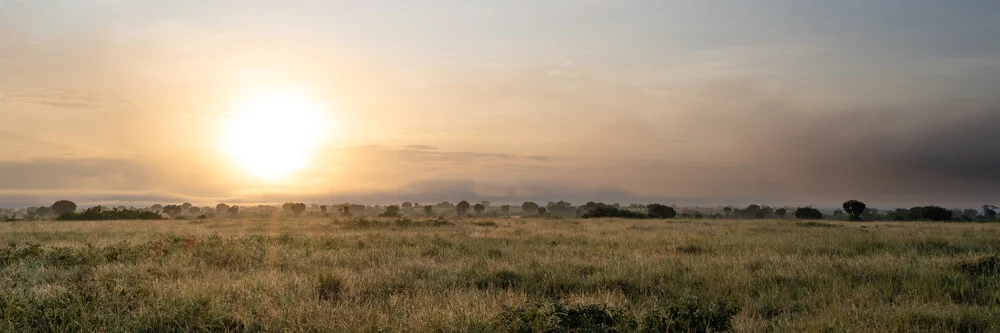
(609, 211)
(931, 213)
(101, 213)
(658, 211)
(808, 213)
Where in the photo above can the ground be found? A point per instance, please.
(498, 274)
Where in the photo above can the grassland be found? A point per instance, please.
(498, 275)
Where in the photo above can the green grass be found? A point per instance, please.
(602, 275)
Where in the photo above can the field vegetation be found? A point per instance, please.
(423, 274)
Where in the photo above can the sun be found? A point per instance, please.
(275, 134)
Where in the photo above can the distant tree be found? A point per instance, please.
(45, 212)
(391, 211)
(750, 212)
(990, 211)
(479, 208)
(172, 210)
(462, 208)
(429, 210)
(194, 210)
(542, 211)
(63, 207)
(234, 211)
(808, 213)
(934, 213)
(323, 208)
(185, 206)
(728, 210)
(780, 212)
(287, 206)
(298, 209)
(529, 208)
(221, 208)
(855, 209)
(407, 205)
(970, 213)
(505, 209)
(345, 211)
(658, 211)
(156, 208)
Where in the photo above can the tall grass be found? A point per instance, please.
(511, 275)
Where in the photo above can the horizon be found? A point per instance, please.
(688, 103)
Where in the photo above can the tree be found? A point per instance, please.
(221, 208)
(44, 212)
(185, 206)
(934, 213)
(462, 208)
(287, 206)
(194, 210)
(750, 212)
(808, 213)
(780, 212)
(505, 209)
(234, 210)
(297, 209)
(658, 211)
(479, 208)
(63, 207)
(970, 213)
(542, 211)
(407, 205)
(728, 210)
(156, 208)
(172, 210)
(323, 208)
(429, 210)
(855, 209)
(990, 211)
(345, 211)
(529, 208)
(391, 211)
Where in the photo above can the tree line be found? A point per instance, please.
(851, 210)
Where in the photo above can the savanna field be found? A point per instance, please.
(498, 274)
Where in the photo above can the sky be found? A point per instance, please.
(892, 102)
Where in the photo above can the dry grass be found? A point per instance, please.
(377, 275)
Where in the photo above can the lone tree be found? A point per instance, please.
(728, 210)
(185, 206)
(323, 208)
(529, 208)
(429, 210)
(297, 209)
(462, 208)
(780, 212)
(221, 208)
(479, 208)
(64, 206)
(658, 211)
(855, 208)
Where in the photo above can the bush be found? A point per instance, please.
(609, 211)
(932, 213)
(808, 213)
(658, 211)
(98, 213)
